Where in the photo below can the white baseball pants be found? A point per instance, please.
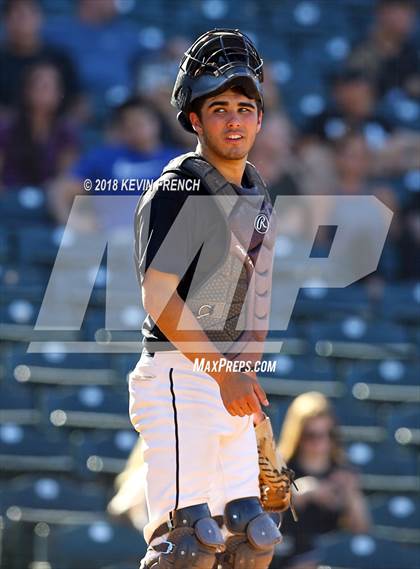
(195, 451)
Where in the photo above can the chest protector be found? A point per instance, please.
(232, 304)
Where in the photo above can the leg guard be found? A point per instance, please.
(191, 544)
(254, 535)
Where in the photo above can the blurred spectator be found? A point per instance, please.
(100, 43)
(22, 46)
(37, 143)
(409, 241)
(354, 107)
(136, 153)
(351, 158)
(129, 499)
(272, 155)
(272, 97)
(316, 169)
(154, 79)
(329, 497)
(388, 55)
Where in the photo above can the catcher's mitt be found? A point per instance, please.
(275, 478)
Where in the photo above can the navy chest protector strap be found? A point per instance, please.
(232, 304)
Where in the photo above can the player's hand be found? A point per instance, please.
(242, 394)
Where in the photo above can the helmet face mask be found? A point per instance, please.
(217, 60)
(218, 50)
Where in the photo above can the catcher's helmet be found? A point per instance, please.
(217, 60)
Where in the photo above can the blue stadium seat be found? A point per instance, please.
(23, 449)
(19, 311)
(27, 204)
(221, 13)
(398, 518)
(359, 17)
(380, 472)
(24, 282)
(51, 499)
(129, 320)
(368, 552)
(97, 546)
(292, 376)
(323, 55)
(307, 18)
(17, 319)
(18, 406)
(104, 453)
(124, 363)
(356, 337)
(390, 380)
(401, 302)
(56, 367)
(32, 504)
(323, 303)
(292, 339)
(357, 422)
(302, 102)
(83, 274)
(52, 7)
(89, 407)
(38, 244)
(149, 13)
(404, 426)
(5, 246)
(357, 329)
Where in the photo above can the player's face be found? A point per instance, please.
(139, 129)
(228, 124)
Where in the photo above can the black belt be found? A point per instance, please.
(148, 353)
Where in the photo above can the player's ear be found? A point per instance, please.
(196, 123)
(259, 120)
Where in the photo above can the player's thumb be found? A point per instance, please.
(260, 394)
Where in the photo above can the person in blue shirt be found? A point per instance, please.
(128, 162)
(100, 42)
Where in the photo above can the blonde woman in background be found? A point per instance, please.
(329, 496)
(130, 500)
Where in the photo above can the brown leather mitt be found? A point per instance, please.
(275, 478)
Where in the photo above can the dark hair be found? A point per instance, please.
(27, 148)
(134, 102)
(348, 75)
(197, 104)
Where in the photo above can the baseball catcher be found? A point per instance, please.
(204, 264)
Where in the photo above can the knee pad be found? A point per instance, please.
(254, 535)
(191, 544)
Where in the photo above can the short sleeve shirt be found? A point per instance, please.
(171, 228)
